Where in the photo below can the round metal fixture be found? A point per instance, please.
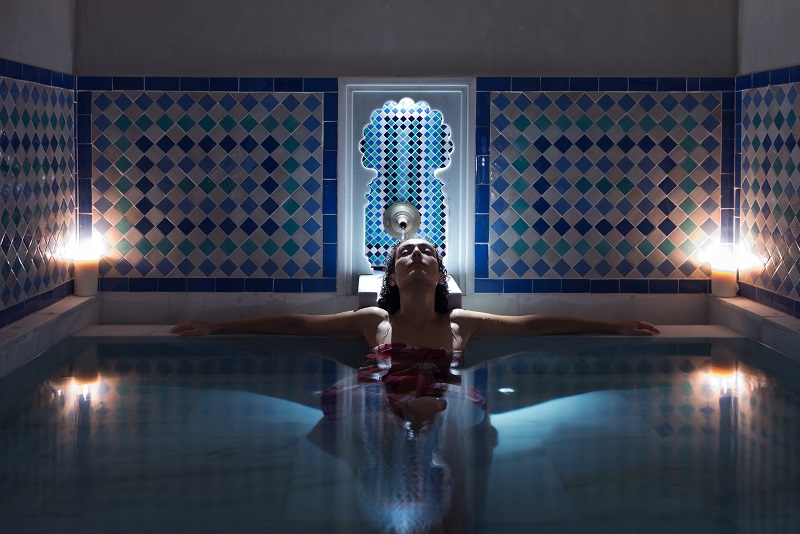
(401, 220)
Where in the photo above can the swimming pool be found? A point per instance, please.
(559, 435)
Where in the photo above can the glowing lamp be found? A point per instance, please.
(86, 262)
(726, 261)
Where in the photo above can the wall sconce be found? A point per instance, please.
(86, 263)
(726, 260)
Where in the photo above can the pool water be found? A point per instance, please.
(282, 434)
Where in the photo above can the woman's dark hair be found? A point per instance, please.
(389, 298)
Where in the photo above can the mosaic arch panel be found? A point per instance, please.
(405, 142)
(770, 204)
(209, 184)
(603, 185)
(37, 193)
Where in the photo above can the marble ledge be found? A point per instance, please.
(25, 339)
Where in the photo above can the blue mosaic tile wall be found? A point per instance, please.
(37, 193)
(206, 190)
(602, 185)
(768, 105)
(405, 143)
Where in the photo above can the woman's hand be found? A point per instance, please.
(637, 328)
(193, 328)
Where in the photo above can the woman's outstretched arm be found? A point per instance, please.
(487, 325)
(349, 325)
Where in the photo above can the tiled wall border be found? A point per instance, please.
(613, 84)
(327, 86)
(744, 82)
(50, 78)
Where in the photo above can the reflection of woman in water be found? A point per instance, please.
(400, 396)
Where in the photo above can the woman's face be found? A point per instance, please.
(416, 260)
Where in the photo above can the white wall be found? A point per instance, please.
(38, 32)
(769, 34)
(406, 38)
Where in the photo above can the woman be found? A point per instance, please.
(413, 311)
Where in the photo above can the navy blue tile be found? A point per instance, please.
(84, 102)
(482, 141)
(138, 285)
(575, 285)
(747, 291)
(726, 225)
(95, 83)
(717, 84)
(745, 81)
(44, 77)
(547, 285)
(15, 312)
(483, 104)
(794, 74)
(760, 79)
(481, 261)
(605, 286)
(59, 292)
(320, 85)
(114, 284)
(330, 136)
(555, 84)
(482, 228)
(329, 163)
(483, 285)
(633, 286)
(330, 110)
(224, 84)
(329, 197)
(288, 85)
(84, 224)
(663, 286)
(30, 73)
(57, 79)
(694, 286)
(47, 298)
(643, 84)
(672, 84)
(692, 84)
(329, 252)
(613, 84)
(84, 195)
(482, 199)
(779, 76)
(482, 170)
(84, 127)
(166, 285)
(728, 124)
(256, 84)
(162, 83)
(493, 84)
(229, 285)
(70, 82)
(728, 100)
(201, 285)
(517, 286)
(316, 285)
(583, 84)
(128, 83)
(191, 83)
(31, 305)
(13, 69)
(726, 191)
(288, 286)
(84, 162)
(526, 84)
(2, 67)
(259, 285)
(783, 304)
(329, 229)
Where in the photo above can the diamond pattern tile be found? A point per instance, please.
(405, 143)
(37, 195)
(603, 185)
(209, 184)
(770, 196)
